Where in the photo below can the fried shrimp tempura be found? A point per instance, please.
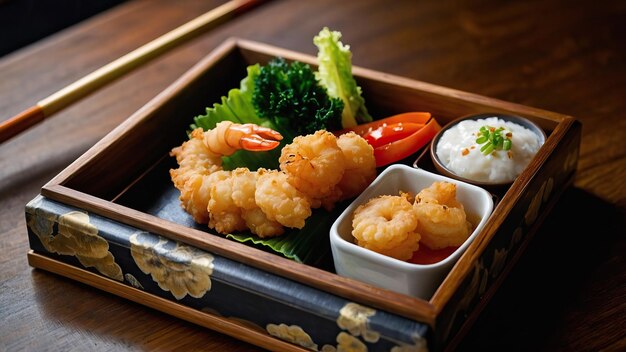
(265, 201)
(244, 196)
(280, 201)
(442, 218)
(387, 225)
(259, 224)
(360, 165)
(391, 225)
(314, 164)
(192, 177)
(224, 214)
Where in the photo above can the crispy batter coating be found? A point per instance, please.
(314, 164)
(360, 165)
(442, 218)
(313, 169)
(260, 224)
(225, 215)
(387, 225)
(391, 225)
(280, 201)
(244, 186)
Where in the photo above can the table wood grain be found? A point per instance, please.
(568, 292)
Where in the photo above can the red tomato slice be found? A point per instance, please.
(397, 137)
(403, 148)
(408, 117)
(388, 133)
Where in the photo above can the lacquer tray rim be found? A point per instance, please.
(411, 307)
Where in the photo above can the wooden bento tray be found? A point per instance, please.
(105, 173)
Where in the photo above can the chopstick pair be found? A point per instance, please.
(104, 75)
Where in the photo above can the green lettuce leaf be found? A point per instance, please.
(308, 245)
(335, 73)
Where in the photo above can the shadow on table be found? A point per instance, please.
(570, 272)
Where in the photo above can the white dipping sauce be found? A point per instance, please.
(458, 151)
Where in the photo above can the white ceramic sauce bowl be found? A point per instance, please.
(418, 280)
(490, 185)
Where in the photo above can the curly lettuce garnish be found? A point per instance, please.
(335, 73)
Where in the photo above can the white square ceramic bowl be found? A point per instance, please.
(380, 270)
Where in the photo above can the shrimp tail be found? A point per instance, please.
(252, 137)
(257, 143)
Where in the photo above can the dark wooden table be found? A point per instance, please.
(568, 292)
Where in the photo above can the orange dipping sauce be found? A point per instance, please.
(425, 255)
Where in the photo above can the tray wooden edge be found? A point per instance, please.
(220, 324)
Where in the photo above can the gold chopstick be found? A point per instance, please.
(102, 76)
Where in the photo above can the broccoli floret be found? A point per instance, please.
(290, 96)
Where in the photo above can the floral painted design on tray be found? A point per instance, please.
(535, 205)
(75, 236)
(541, 197)
(133, 281)
(419, 345)
(293, 334)
(175, 267)
(354, 318)
(516, 237)
(570, 161)
(242, 322)
(475, 289)
(346, 342)
(500, 256)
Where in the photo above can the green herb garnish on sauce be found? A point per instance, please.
(492, 139)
